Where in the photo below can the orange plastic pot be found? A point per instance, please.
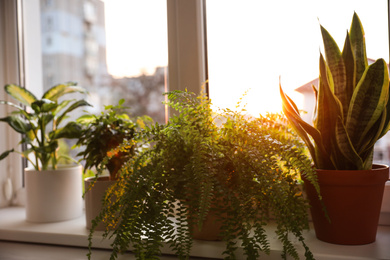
(353, 202)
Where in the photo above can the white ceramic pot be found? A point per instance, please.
(93, 199)
(54, 195)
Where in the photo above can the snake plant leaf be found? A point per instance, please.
(334, 61)
(358, 46)
(386, 126)
(368, 101)
(17, 123)
(345, 147)
(374, 134)
(5, 154)
(329, 107)
(61, 89)
(301, 127)
(20, 94)
(345, 94)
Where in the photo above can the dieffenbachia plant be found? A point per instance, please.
(352, 110)
(39, 120)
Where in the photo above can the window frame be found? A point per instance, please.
(20, 48)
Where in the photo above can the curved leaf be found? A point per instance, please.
(346, 148)
(5, 154)
(79, 103)
(71, 130)
(17, 123)
(368, 102)
(61, 89)
(20, 94)
(329, 107)
(43, 106)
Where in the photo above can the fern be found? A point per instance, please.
(244, 170)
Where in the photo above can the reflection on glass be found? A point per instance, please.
(115, 49)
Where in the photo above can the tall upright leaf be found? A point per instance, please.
(345, 94)
(368, 102)
(358, 44)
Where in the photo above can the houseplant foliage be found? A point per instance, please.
(39, 121)
(352, 110)
(102, 133)
(200, 163)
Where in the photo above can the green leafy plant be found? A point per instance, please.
(34, 117)
(102, 133)
(241, 169)
(352, 110)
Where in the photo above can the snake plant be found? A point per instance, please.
(34, 116)
(352, 110)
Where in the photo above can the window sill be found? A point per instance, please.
(13, 227)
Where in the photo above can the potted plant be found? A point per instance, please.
(53, 191)
(351, 114)
(228, 170)
(101, 134)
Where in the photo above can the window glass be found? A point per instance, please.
(251, 43)
(115, 49)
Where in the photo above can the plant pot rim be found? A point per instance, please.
(378, 175)
(99, 179)
(375, 167)
(59, 167)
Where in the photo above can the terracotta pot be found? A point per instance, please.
(93, 199)
(211, 229)
(353, 202)
(54, 195)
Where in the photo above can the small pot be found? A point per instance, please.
(211, 229)
(54, 195)
(93, 199)
(353, 202)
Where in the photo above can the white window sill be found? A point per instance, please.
(73, 233)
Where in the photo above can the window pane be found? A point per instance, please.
(251, 43)
(115, 49)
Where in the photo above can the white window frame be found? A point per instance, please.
(18, 49)
(20, 60)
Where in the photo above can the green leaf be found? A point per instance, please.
(345, 94)
(332, 51)
(3, 102)
(329, 107)
(86, 119)
(71, 130)
(77, 104)
(5, 154)
(17, 123)
(59, 90)
(368, 102)
(386, 126)
(300, 126)
(358, 46)
(21, 94)
(345, 147)
(43, 106)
